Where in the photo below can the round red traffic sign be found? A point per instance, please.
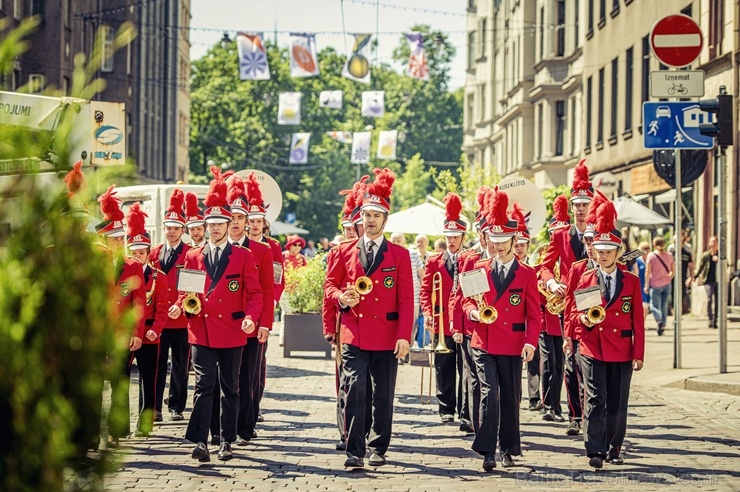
(676, 40)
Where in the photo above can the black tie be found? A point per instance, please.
(370, 256)
(502, 276)
(583, 246)
(216, 256)
(608, 289)
(170, 254)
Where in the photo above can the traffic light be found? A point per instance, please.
(721, 107)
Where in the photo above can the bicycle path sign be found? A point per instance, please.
(674, 125)
(677, 83)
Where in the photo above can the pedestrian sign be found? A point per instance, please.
(674, 125)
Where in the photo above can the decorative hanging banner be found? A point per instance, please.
(418, 67)
(303, 60)
(373, 103)
(387, 142)
(357, 67)
(361, 147)
(289, 108)
(331, 99)
(253, 63)
(341, 137)
(299, 148)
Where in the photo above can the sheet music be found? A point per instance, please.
(191, 281)
(474, 282)
(588, 298)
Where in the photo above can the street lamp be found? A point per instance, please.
(225, 40)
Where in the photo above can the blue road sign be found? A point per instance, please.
(674, 125)
(290, 218)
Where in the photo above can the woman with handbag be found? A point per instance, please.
(658, 277)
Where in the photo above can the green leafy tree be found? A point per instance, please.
(550, 194)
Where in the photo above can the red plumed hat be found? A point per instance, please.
(193, 211)
(175, 215)
(606, 236)
(237, 195)
(560, 217)
(136, 235)
(484, 196)
(453, 225)
(257, 206)
(76, 192)
(217, 205)
(358, 194)
(110, 207)
(599, 199)
(581, 191)
(378, 195)
(501, 228)
(522, 231)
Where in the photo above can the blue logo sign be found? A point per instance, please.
(108, 135)
(674, 125)
(290, 218)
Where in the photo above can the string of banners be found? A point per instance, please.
(361, 141)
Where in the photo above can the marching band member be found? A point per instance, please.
(195, 224)
(218, 331)
(500, 347)
(445, 267)
(130, 296)
(170, 258)
(249, 370)
(566, 245)
(610, 349)
(375, 326)
(155, 317)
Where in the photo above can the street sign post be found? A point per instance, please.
(676, 40)
(683, 83)
(674, 125)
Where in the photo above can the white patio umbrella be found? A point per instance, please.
(630, 212)
(425, 218)
(279, 228)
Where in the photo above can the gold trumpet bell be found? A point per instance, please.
(191, 304)
(488, 314)
(363, 285)
(596, 314)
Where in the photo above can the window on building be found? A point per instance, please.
(628, 82)
(590, 15)
(602, 12)
(482, 107)
(107, 33)
(65, 85)
(17, 9)
(646, 68)
(576, 25)
(471, 49)
(559, 126)
(36, 83)
(470, 111)
(128, 59)
(540, 130)
(589, 110)
(560, 45)
(600, 110)
(573, 126)
(36, 7)
(716, 27)
(66, 12)
(615, 96)
(615, 8)
(483, 37)
(542, 33)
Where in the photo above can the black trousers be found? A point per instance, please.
(119, 417)
(445, 366)
(470, 407)
(533, 377)
(249, 387)
(263, 374)
(146, 360)
(607, 399)
(381, 367)
(177, 340)
(500, 389)
(551, 356)
(574, 384)
(341, 403)
(211, 364)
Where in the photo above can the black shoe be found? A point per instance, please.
(158, 416)
(215, 440)
(713, 325)
(224, 452)
(574, 428)
(465, 427)
(660, 331)
(559, 418)
(260, 418)
(596, 462)
(176, 416)
(254, 434)
(353, 462)
(534, 406)
(506, 460)
(377, 459)
(240, 441)
(549, 416)
(489, 461)
(615, 460)
(201, 453)
(341, 446)
(447, 418)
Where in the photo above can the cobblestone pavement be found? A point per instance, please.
(676, 439)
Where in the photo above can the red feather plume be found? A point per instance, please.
(606, 217)
(483, 192)
(191, 205)
(349, 201)
(136, 220)
(560, 209)
(254, 193)
(383, 184)
(237, 188)
(110, 205)
(580, 176)
(497, 207)
(177, 200)
(358, 191)
(598, 199)
(216, 196)
(453, 206)
(517, 213)
(74, 179)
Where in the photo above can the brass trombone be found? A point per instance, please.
(440, 348)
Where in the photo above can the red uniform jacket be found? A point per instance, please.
(621, 336)
(263, 260)
(130, 293)
(231, 295)
(171, 269)
(277, 266)
(518, 304)
(564, 246)
(468, 259)
(157, 305)
(439, 263)
(386, 314)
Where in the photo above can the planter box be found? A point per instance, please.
(304, 333)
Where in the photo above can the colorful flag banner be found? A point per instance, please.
(253, 63)
(299, 148)
(289, 108)
(387, 142)
(373, 104)
(331, 99)
(341, 137)
(361, 147)
(303, 60)
(357, 67)
(418, 67)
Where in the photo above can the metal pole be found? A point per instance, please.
(677, 288)
(721, 270)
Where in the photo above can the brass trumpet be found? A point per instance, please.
(191, 304)
(595, 314)
(553, 302)
(363, 285)
(486, 314)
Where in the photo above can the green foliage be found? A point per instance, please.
(235, 122)
(411, 186)
(550, 194)
(304, 287)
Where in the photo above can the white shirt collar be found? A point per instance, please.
(171, 248)
(239, 241)
(377, 242)
(613, 275)
(507, 266)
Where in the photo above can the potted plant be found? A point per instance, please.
(301, 304)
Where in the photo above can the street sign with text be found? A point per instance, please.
(676, 40)
(677, 83)
(674, 125)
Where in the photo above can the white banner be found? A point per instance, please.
(341, 137)
(417, 67)
(331, 99)
(303, 60)
(361, 147)
(253, 63)
(357, 67)
(387, 142)
(289, 108)
(299, 148)
(373, 104)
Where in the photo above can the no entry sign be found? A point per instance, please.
(676, 40)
